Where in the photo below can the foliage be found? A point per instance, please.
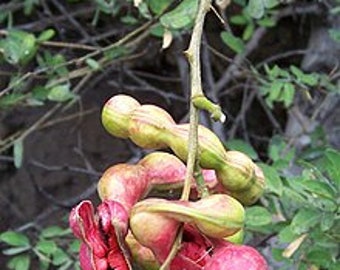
(300, 210)
(53, 246)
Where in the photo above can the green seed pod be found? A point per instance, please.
(237, 172)
(211, 150)
(236, 238)
(116, 113)
(250, 195)
(149, 125)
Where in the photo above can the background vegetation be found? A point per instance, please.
(272, 65)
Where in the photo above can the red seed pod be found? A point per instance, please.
(116, 114)
(149, 125)
(123, 183)
(236, 257)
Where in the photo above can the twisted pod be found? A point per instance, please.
(152, 127)
(206, 221)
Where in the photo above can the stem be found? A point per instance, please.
(193, 56)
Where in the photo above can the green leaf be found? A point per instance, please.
(272, 178)
(93, 64)
(304, 220)
(11, 100)
(257, 216)
(159, 6)
(239, 20)
(234, 43)
(20, 262)
(319, 188)
(182, 16)
(46, 35)
(14, 239)
(331, 166)
(275, 90)
(256, 8)
(18, 153)
(271, 3)
(242, 146)
(19, 47)
(53, 231)
(267, 22)
(60, 257)
(327, 221)
(46, 247)
(74, 246)
(248, 31)
(288, 94)
(287, 235)
(320, 257)
(334, 34)
(60, 93)
(309, 79)
(129, 20)
(15, 250)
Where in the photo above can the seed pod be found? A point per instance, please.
(216, 216)
(236, 257)
(254, 192)
(123, 183)
(211, 151)
(141, 255)
(149, 125)
(116, 114)
(236, 238)
(237, 172)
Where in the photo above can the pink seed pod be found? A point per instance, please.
(123, 183)
(142, 256)
(228, 256)
(102, 236)
(149, 125)
(216, 216)
(116, 114)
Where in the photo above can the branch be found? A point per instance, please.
(193, 56)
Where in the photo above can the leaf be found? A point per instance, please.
(46, 247)
(239, 20)
(275, 90)
(60, 257)
(272, 178)
(304, 220)
(271, 3)
(46, 35)
(293, 246)
(255, 8)
(288, 94)
(20, 262)
(235, 43)
(267, 22)
(167, 39)
(334, 34)
(332, 166)
(53, 231)
(320, 257)
(15, 250)
(327, 221)
(286, 235)
(93, 64)
(257, 216)
(159, 6)
(15, 239)
(18, 151)
(19, 47)
(74, 246)
(181, 16)
(319, 188)
(242, 146)
(60, 93)
(248, 32)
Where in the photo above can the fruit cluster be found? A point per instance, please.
(127, 227)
